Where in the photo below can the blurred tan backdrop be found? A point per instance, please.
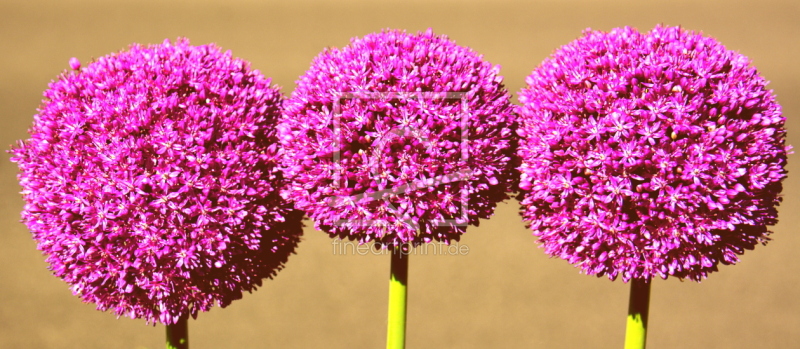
(505, 293)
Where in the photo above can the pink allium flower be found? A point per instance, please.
(150, 181)
(650, 154)
(399, 139)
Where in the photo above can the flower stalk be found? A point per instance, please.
(398, 296)
(638, 310)
(178, 334)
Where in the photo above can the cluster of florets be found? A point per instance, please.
(399, 139)
(650, 154)
(150, 181)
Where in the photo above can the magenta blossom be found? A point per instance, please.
(150, 181)
(399, 139)
(650, 154)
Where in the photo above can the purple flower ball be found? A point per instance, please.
(398, 138)
(650, 154)
(151, 184)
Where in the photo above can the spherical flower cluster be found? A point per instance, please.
(650, 154)
(151, 184)
(398, 138)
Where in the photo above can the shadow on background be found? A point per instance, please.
(505, 293)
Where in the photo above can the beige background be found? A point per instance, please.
(505, 293)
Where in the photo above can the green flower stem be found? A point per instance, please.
(178, 334)
(638, 310)
(398, 294)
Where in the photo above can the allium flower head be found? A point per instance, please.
(650, 154)
(398, 138)
(151, 184)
